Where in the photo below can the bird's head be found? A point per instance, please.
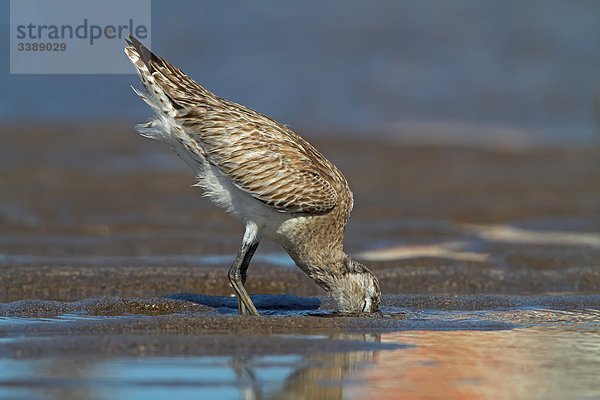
(355, 290)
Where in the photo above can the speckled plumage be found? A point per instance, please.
(262, 172)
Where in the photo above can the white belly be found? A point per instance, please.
(221, 190)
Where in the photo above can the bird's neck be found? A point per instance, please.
(320, 264)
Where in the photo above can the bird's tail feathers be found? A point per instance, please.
(165, 84)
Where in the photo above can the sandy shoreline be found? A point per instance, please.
(113, 273)
(98, 211)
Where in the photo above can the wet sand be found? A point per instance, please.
(107, 254)
(100, 211)
(207, 325)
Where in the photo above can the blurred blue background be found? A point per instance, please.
(349, 66)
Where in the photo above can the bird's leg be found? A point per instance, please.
(243, 273)
(237, 277)
(237, 271)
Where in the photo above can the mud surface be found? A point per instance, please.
(95, 211)
(113, 275)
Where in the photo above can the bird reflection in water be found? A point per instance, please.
(316, 376)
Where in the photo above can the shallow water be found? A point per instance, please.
(549, 363)
(511, 353)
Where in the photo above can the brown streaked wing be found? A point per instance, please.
(265, 160)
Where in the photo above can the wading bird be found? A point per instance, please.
(260, 171)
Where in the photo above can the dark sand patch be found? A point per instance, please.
(179, 303)
(106, 306)
(431, 276)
